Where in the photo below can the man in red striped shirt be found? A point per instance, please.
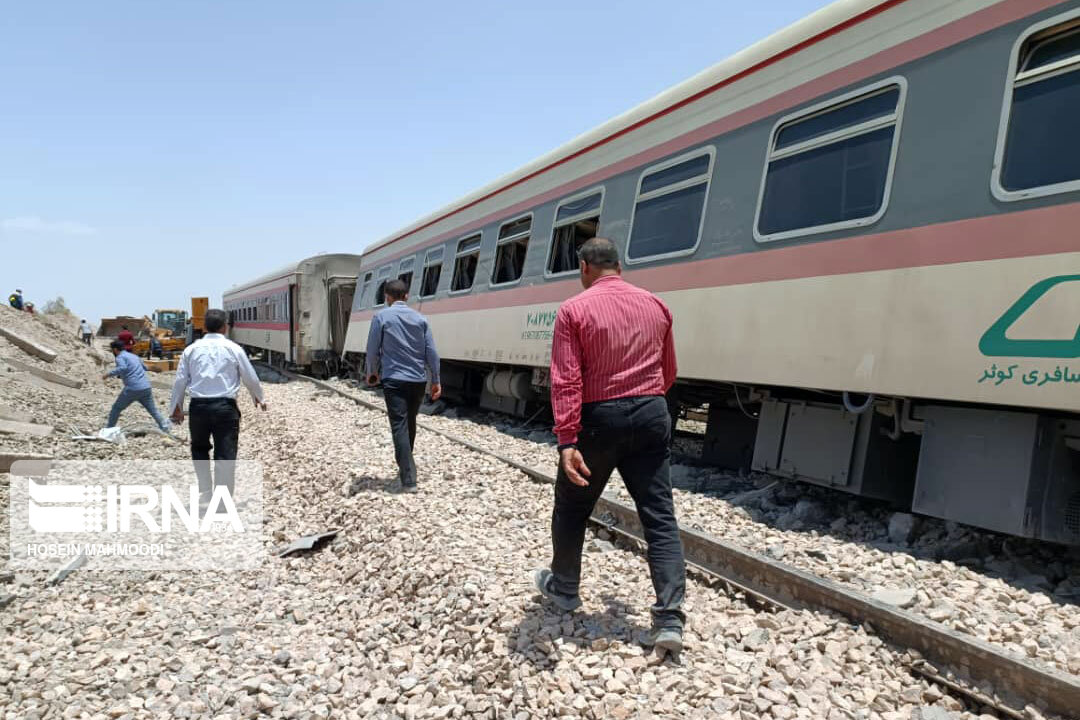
(612, 361)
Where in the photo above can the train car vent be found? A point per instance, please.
(1072, 514)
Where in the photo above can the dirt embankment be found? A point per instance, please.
(67, 393)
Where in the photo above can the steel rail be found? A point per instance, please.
(1017, 681)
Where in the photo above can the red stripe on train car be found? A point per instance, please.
(260, 326)
(1045, 231)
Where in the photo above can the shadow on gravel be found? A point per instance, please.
(807, 514)
(534, 638)
(369, 484)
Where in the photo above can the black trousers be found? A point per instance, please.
(403, 401)
(631, 435)
(216, 419)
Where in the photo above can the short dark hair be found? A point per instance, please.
(117, 345)
(396, 289)
(215, 320)
(599, 252)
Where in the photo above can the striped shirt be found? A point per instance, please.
(612, 341)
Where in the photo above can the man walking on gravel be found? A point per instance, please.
(136, 386)
(212, 370)
(612, 361)
(400, 343)
(86, 332)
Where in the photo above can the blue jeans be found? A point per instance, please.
(144, 398)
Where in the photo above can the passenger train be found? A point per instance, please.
(296, 316)
(866, 229)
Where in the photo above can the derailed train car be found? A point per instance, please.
(865, 227)
(297, 316)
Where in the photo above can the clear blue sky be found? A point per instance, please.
(151, 151)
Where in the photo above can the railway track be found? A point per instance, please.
(957, 662)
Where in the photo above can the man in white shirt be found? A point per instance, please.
(86, 332)
(212, 370)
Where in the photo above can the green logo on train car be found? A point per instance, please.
(995, 344)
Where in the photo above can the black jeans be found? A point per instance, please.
(403, 401)
(217, 418)
(631, 435)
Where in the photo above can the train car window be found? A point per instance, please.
(405, 272)
(669, 211)
(1038, 149)
(381, 279)
(577, 220)
(830, 166)
(364, 287)
(433, 261)
(466, 259)
(510, 251)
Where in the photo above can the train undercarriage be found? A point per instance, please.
(1011, 470)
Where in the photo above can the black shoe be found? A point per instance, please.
(410, 488)
(543, 579)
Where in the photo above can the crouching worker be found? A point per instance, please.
(136, 386)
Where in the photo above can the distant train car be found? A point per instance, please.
(866, 228)
(297, 316)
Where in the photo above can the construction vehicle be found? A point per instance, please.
(111, 327)
(196, 325)
(173, 320)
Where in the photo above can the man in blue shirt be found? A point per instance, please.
(400, 342)
(136, 386)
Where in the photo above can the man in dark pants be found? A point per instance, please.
(612, 361)
(400, 342)
(212, 370)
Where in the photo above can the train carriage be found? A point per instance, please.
(865, 227)
(298, 315)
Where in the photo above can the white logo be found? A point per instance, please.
(111, 508)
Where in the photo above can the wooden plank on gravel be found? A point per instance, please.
(43, 374)
(29, 346)
(7, 413)
(7, 459)
(12, 427)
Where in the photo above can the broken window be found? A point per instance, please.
(405, 272)
(380, 285)
(465, 262)
(364, 288)
(576, 221)
(510, 251)
(433, 261)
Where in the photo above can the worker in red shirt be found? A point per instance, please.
(126, 337)
(612, 361)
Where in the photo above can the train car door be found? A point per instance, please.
(294, 322)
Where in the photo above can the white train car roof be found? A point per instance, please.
(292, 269)
(781, 61)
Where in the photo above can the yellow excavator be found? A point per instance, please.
(173, 329)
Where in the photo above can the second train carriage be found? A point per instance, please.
(865, 226)
(298, 315)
